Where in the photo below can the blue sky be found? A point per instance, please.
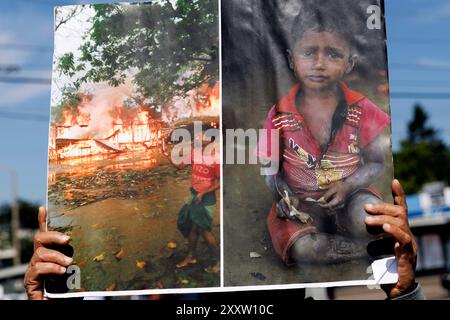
(419, 61)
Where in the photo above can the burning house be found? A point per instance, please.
(104, 125)
(77, 136)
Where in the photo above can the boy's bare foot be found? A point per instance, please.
(186, 262)
(213, 269)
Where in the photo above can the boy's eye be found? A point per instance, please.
(307, 53)
(334, 54)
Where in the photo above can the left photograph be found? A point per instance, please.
(134, 150)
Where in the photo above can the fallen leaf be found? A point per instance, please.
(184, 281)
(140, 264)
(171, 245)
(254, 255)
(81, 264)
(111, 287)
(120, 254)
(100, 257)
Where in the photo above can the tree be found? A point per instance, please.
(169, 49)
(423, 156)
(27, 212)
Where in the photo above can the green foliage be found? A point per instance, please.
(28, 214)
(423, 157)
(168, 49)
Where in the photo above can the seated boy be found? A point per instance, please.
(330, 149)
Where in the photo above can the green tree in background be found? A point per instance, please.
(423, 156)
(168, 47)
(28, 213)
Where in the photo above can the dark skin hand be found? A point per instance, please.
(44, 261)
(394, 221)
(278, 188)
(214, 187)
(338, 193)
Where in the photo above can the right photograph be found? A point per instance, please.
(306, 113)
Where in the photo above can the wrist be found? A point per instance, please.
(415, 294)
(403, 290)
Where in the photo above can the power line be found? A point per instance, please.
(416, 67)
(421, 95)
(23, 116)
(23, 47)
(26, 80)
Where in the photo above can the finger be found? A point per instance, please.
(282, 210)
(49, 238)
(384, 208)
(279, 210)
(399, 194)
(46, 268)
(47, 255)
(378, 221)
(401, 236)
(333, 204)
(329, 194)
(42, 218)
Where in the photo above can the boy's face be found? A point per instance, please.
(321, 59)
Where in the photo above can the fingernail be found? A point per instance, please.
(369, 219)
(65, 238)
(386, 226)
(62, 269)
(368, 206)
(68, 260)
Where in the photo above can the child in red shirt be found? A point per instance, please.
(195, 217)
(330, 151)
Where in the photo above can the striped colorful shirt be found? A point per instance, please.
(306, 168)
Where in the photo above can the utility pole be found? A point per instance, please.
(15, 219)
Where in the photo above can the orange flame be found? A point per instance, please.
(214, 97)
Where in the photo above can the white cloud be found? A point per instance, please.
(14, 94)
(18, 94)
(433, 63)
(26, 26)
(11, 56)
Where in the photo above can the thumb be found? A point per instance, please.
(42, 219)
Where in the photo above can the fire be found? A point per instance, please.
(214, 97)
(77, 137)
(104, 124)
(208, 100)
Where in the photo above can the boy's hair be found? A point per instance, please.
(325, 16)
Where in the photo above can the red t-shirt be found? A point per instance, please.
(303, 166)
(205, 169)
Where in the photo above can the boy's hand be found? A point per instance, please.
(283, 211)
(45, 261)
(336, 196)
(393, 219)
(200, 197)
